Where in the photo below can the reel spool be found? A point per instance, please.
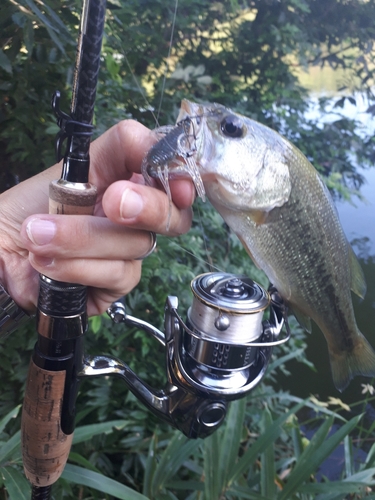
(224, 319)
(218, 354)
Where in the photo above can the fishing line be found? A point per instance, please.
(207, 262)
(168, 59)
(198, 259)
(141, 91)
(208, 256)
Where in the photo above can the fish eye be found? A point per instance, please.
(232, 126)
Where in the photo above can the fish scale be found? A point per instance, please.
(271, 196)
(290, 248)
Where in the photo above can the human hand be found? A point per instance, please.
(99, 252)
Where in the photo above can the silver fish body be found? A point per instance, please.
(274, 200)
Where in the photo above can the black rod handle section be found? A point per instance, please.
(52, 385)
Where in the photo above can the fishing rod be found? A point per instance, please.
(218, 354)
(52, 382)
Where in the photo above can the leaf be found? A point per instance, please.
(86, 432)
(297, 438)
(95, 323)
(234, 422)
(354, 484)
(42, 18)
(60, 25)
(52, 30)
(5, 62)
(365, 476)
(16, 484)
(370, 459)
(304, 466)
(273, 432)
(100, 482)
(80, 460)
(150, 467)
(186, 485)
(283, 359)
(349, 459)
(178, 450)
(318, 449)
(11, 448)
(268, 473)
(28, 37)
(12, 414)
(211, 457)
(246, 493)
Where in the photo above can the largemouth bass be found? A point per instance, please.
(273, 199)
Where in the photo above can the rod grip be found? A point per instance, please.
(71, 198)
(45, 447)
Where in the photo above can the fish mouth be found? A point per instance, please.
(199, 114)
(189, 109)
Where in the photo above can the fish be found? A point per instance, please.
(274, 200)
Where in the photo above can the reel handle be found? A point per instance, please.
(218, 355)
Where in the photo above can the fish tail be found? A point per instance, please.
(347, 364)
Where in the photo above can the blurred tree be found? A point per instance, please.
(242, 54)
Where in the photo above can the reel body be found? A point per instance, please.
(220, 353)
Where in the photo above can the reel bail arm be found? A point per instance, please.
(219, 354)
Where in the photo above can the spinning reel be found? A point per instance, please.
(220, 353)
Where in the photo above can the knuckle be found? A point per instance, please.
(127, 276)
(123, 127)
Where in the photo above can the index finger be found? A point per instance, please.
(118, 154)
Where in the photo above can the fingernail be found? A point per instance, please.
(131, 204)
(40, 231)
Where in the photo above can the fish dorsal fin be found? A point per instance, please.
(302, 318)
(358, 283)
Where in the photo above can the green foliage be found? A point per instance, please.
(261, 452)
(35, 41)
(245, 55)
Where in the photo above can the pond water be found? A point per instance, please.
(358, 221)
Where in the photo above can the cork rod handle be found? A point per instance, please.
(45, 446)
(70, 198)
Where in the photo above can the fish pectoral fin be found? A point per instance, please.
(259, 217)
(358, 283)
(302, 318)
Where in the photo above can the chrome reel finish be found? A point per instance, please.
(220, 353)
